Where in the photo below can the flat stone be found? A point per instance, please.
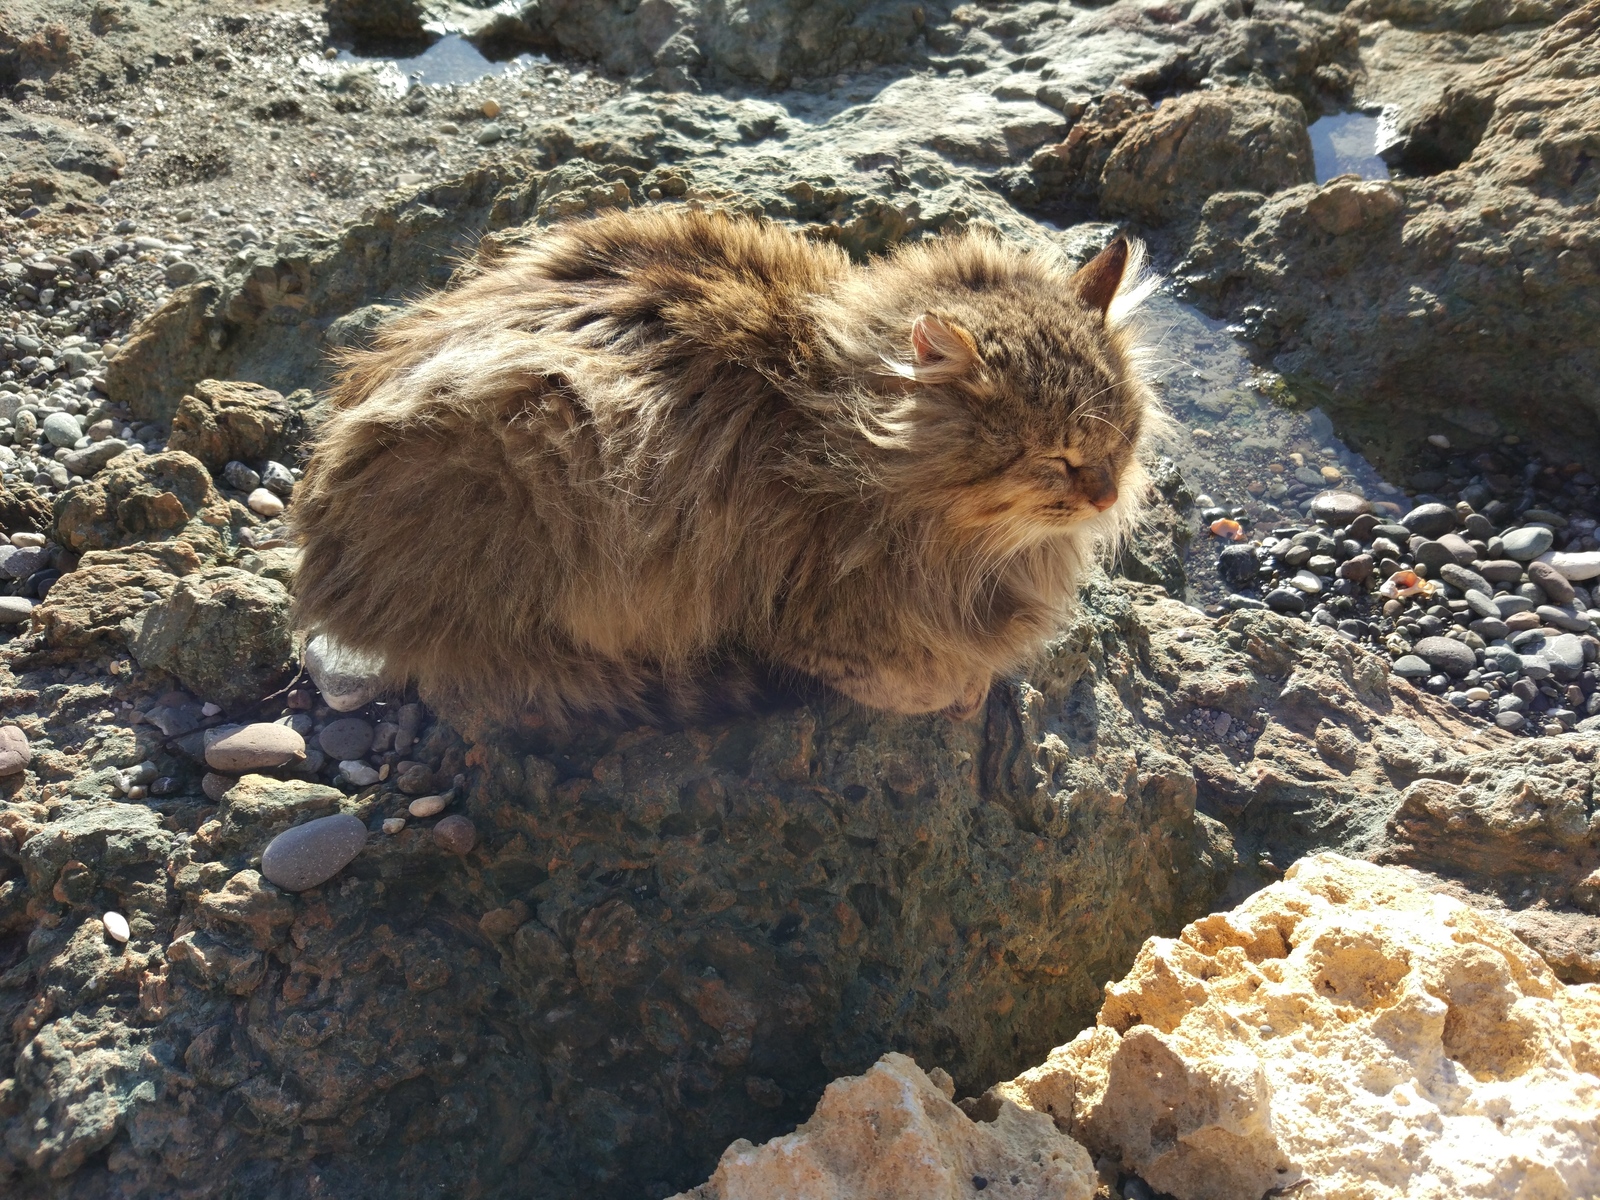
(1535, 667)
(1523, 620)
(15, 610)
(1500, 570)
(15, 753)
(346, 678)
(1503, 659)
(427, 806)
(313, 853)
(1482, 605)
(1357, 569)
(1434, 554)
(1447, 654)
(1307, 582)
(1575, 565)
(1509, 604)
(1467, 580)
(1459, 547)
(93, 459)
(1564, 618)
(1527, 542)
(19, 562)
(1339, 508)
(254, 748)
(348, 737)
(1490, 629)
(1552, 582)
(1430, 520)
(1322, 564)
(1285, 600)
(456, 834)
(62, 429)
(358, 773)
(1564, 653)
(1409, 666)
(1510, 721)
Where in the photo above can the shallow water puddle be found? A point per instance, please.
(450, 60)
(1241, 440)
(1347, 144)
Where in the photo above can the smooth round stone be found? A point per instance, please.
(1457, 699)
(1430, 520)
(1500, 570)
(1363, 526)
(1510, 604)
(1409, 666)
(1503, 659)
(1447, 655)
(1523, 620)
(1564, 618)
(357, 773)
(313, 853)
(1433, 554)
(1480, 603)
(1527, 543)
(1357, 569)
(1564, 653)
(427, 806)
(1477, 694)
(1490, 629)
(1237, 566)
(1307, 582)
(346, 678)
(15, 610)
(393, 825)
(1535, 667)
(1285, 600)
(62, 429)
(255, 748)
(264, 503)
(1510, 721)
(1552, 582)
(348, 737)
(1575, 565)
(15, 753)
(456, 834)
(1467, 580)
(116, 926)
(1339, 508)
(1322, 564)
(1459, 547)
(240, 477)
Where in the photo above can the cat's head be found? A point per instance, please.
(1029, 406)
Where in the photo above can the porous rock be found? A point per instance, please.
(147, 499)
(227, 420)
(891, 1133)
(1345, 1028)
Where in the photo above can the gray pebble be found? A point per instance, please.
(1527, 543)
(1285, 600)
(240, 477)
(275, 477)
(1500, 570)
(1409, 666)
(313, 853)
(21, 561)
(1467, 580)
(1509, 604)
(1480, 603)
(349, 737)
(1564, 653)
(1430, 520)
(1564, 618)
(1510, 721)
(15, 610)
(1490, 629)
(62, 429)
(1447, 655)
(1503, 659)
(1535, 667)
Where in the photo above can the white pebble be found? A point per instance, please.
(357, 772)
(428, 806)
(1478, 693)
(393, 825)
(116, 926)
(1439, 440)
(209, 709)
(265, 503)
(28, 539)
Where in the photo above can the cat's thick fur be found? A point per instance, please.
(656, 443)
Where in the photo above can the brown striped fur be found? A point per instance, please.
(655, 444)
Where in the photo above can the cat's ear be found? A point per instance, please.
(941, 349)
(1097, 281)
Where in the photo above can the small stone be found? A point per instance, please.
(1575, 565)
(1357, 569)
(1523, 620)
(1434, 554)
(456, 834)
(393, 825)
(209, 709)
(254, 748)
(1331, 474)
(1510, 721)
(1478, 694)
(427, 806)
(1439, 440)
(1363, 527)
(490, 134)
(1306, 582)
(62, 429)
(21, 561)
(1285, 600)
(1464, 578)
(346, 738)
(1322, 564)
(15, 753)
(1564, 618)
(1447, 655)
(1430, 520)
(1339, 508)
(490, 109)
(180, 273)
(29, 538)
(1409, 666)
(1500, 570)
(277, 478)
(1527, 543)
(240, 477)
(1564, 654)
(1535, 668)
(15, 610)
(1238, 567)
(1503, 659)
(1552, 582)
(116, 926)
(1509, 603)
(264, 503)
(1490, 629)
(313, 853)
(1480, 604)
(215, 785)
(358, 773)
(346, 678)
(92, 458)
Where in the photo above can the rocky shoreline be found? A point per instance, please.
(268, 931)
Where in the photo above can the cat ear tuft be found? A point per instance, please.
(1097, 281)
(941, 349)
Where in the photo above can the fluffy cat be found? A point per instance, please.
(653, 444)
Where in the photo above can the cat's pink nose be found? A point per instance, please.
(1105, 500)
(1098, 487)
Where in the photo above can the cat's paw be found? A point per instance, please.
(971, 702)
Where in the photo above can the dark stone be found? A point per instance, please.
(1430, 520)
(1238, 566)
(1285, 599)
(1447, 655)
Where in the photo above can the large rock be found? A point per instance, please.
(84, 613)
(224, 421)
(139, 499)
(893, 1134)
(1345, 1028)
(222, 632)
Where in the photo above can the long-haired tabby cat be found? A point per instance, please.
(656, 443)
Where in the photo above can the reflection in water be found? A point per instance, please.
(1347, 144)
(452, 59)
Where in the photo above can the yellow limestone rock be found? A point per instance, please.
(893, 1134)
(1344, 1033)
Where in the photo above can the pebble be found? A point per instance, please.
(1433, 554)
(358, 773)
(456, 834)
(1552, 582)
(1500, 570)
(393, 825)
(1339, 508)
(1503, 659)
(1564, 653)
(1430, 520)
(277, 478)
(1461, 549)
(427, 806)
(1510, 721)
(1575, 565)
(15, 753)
(1527, 543)
(92, 458)
(346, 738)
(62, 429)
(1478, 694)
(116, 926)
(265, 503)
(313, 853)
(240, 477)
(1448, 655)
(1307, 582)
(1285, 600)
(346, 678)
(1522, 620)
(254, 748)
(1509, 604)
(28, 538)
(1467, 580)
(1357, 569)
(1564, 618)
(21, 561)
(1490, 629)
(1480, 603)
(1238, 566)
(1409, 666)
(15, 610)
